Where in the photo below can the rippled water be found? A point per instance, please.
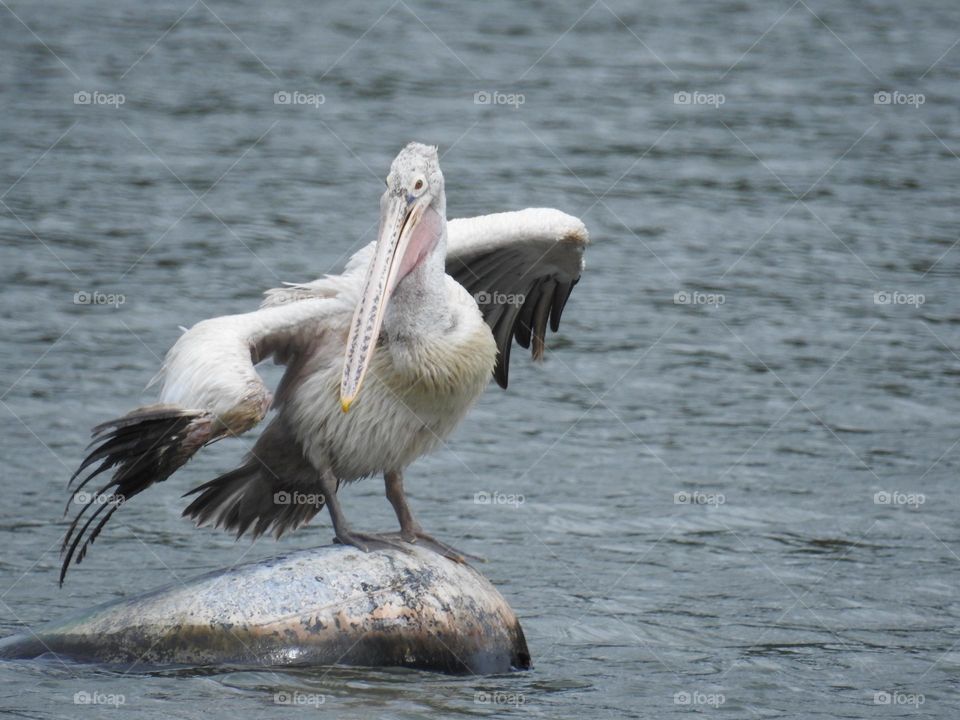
(781, 398)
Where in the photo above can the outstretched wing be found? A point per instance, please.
(210, 390)
(520, 267)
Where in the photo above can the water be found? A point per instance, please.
(782, 398)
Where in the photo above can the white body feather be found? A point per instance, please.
(419, 386)
(418, 390)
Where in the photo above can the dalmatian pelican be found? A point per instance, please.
(382, 363)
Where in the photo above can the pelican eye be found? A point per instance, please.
(418, 185)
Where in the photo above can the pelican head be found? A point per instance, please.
(412, 217)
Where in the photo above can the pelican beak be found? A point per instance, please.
(407, 228)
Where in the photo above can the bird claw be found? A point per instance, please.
(367, 542)
(448, 551)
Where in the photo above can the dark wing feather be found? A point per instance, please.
(520, 267)
(211, 390)
(146, 446)
(276, 489)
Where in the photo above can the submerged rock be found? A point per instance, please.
(326, 606)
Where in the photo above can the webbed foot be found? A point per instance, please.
(419, 537)
(370, 541)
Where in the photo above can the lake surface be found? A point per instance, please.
(738, 465)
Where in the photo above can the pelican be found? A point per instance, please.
(382, 363)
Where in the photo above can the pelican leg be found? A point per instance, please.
(341, 528)
(410, 530)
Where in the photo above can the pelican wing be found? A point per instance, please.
(210, 389)
(520, 267)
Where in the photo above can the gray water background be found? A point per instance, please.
(788, 588)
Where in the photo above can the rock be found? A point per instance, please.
(325, 606)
